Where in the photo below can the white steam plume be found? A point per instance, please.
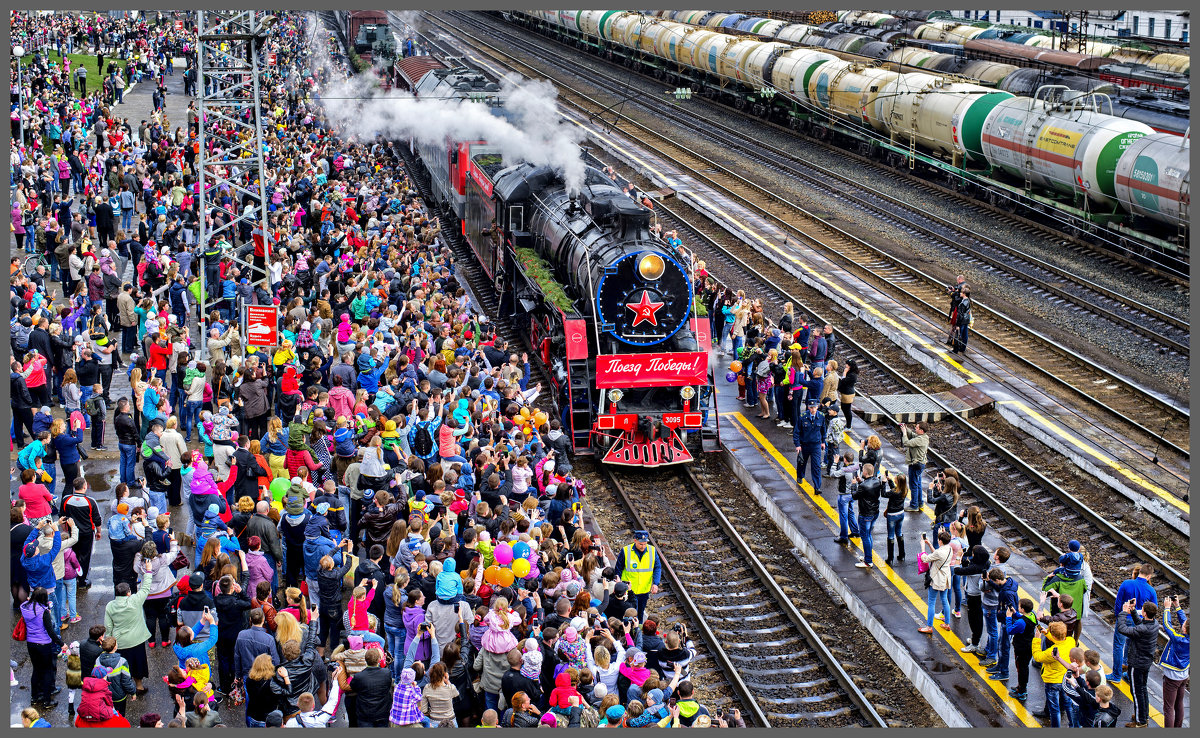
(357, 107)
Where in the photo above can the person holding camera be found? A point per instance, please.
(1140, 627)
(916, 452)
(1174, 662)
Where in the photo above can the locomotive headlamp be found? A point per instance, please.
(688, 392)
(615, 395)
(651, 267)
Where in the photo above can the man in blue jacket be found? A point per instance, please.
(40, 567)
(808, 435)
(317, 544)
(1138, 589)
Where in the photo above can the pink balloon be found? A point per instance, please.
(503, 554)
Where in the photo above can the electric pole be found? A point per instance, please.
(231, 53)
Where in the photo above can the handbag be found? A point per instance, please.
(181, 561)
(237, 694)
(18, 631)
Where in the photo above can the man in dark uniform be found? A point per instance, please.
(808, 435)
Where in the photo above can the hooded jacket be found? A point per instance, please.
(1052, 671)
(449, 583)
(1143, 639)
(563, 691)
(120, 682)
(96, 702)
(317, 544)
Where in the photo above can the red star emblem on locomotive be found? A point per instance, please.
(644, 310)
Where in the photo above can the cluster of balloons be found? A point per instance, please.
(513, 562)
(734, 367)
(529, 421)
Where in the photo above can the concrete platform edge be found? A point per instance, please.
(937, 698)
(1164, 512)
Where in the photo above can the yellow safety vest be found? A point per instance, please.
(639, 571)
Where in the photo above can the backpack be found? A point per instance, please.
(423, 441)
(91, 406)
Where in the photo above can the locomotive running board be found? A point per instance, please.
(659, 452)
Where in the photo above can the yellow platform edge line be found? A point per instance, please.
(1102, 458)
(766, 448)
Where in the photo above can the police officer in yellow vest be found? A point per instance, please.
(640, 566)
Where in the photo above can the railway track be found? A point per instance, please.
(1112, 247)
(776, 660)
(994, 477)
(1030, 352)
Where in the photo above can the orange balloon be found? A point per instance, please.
(540, 418)
(524, 412)
(491, 575)
(505, 578)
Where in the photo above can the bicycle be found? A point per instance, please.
(32, 262)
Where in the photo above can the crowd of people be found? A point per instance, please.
(371, 520)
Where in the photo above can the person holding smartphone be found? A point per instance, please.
(1059, 645)
(1175, 661)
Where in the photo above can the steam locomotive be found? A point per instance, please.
(607, 308)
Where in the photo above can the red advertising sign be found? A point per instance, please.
(652, 370)
(271, 59)
(577, 345)
(262, 326)
(178, 25)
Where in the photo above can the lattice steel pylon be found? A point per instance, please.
(231, 44)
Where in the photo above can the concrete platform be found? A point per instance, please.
(1095, 448)
(891, 601)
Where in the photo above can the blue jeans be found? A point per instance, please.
(725, 329)
(751, 390)
(191, 417)
(1120, 645)
(367, 636)
(956, 585)
(931, 598)
(395, 648)
(128, 462)
(126, 219)
(252, 723)
(1053, 704)
(491, 700)
(914, 484)
(453, 459)
(991, 621)
(738, 342)
(865, 524)
(895, 525)
(846, 517)
(65, 592)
